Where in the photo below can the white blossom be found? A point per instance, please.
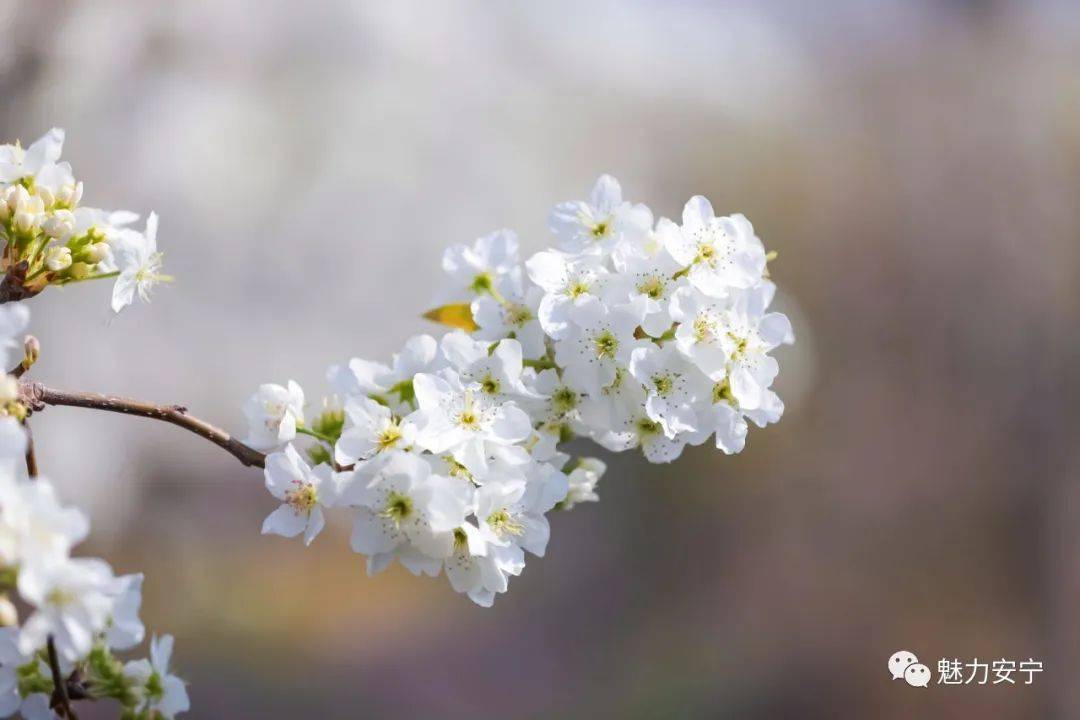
(304, 492)
(160, 690)
(273, 414)
(139, 264)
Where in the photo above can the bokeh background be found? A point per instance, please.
(915, 163)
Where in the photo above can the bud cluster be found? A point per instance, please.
(49, 238)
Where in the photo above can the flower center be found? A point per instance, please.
(647, 427)
(518, 315)
(389, 436)
(600, 229)
(303, 498)
(721, 392)
(578, 288)
(490, 384)
(398, 508)
(606, 344)
(652, 287)
(564, 399)
(663, 384)
(504, 524)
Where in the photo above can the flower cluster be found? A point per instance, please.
(51, 239)
(628, 332)
(76, 603)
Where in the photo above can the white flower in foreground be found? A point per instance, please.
(565, 279)
(126, 630)
(721, 253)
(73, 600)
(304, 492)
(512, 317)
(582, 482)
(35, 529)
(511, 512)
(460, 419)
(160, 691)
(273, 414)
(601, 342)
(673, 387)
(728, 422)
(14, 319)
(37, 164)
(23, 672)
(139, 264)
(371, 430)
(497, 370)
(489, 265)
(597, 225)
(391, 385)
(407, 512)
(648, 281)
(479, 570)
(748, 334)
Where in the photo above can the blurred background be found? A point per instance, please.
(916, 165)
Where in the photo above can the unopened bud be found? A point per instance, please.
(24, 221)
(96, 252)
(58, 258)
(70, 195)
(46, 195)
(16, 197)
(9, 615)
(31, 351)
(78, 270)
(59, 224)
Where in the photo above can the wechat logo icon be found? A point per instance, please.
(904, 664)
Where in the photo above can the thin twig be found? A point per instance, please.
(60, 694)
(36, 396)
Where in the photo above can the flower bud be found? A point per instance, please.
(70, 195)
(31, 351)
(46, 195)
(9, 615)
(96, 252)
(16, 197)
(58, 258)
(24, 221)
(78, 271)
(59, 224)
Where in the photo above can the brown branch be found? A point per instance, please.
(36, 396)
(60, 693)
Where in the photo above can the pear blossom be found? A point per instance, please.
(14, 319)
(459, 418)
(273, 414)
(139, 264)
(514, 316)
(721, 253)
(25, 679)
(565, 280)
(304, 492)
(406, 508)
(73, 600)
(490, 265)
(372, 430)
(125, 630)
(601, 341)
(673, 387)
(582, 481)
(630, 335)
(37, 164)
(161, 692)
(596, 225)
